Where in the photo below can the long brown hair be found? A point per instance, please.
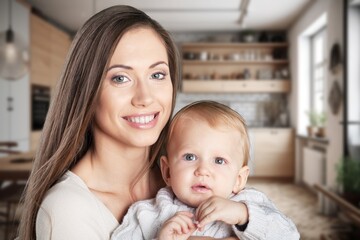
(67, 133)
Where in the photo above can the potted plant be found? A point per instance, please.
(311, 129)
(320, 119)
(348, 178)
(316, 124)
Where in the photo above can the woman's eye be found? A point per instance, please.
(190, 157)
(120, 79)
(220, 161)
(158, 75)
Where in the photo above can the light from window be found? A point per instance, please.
(318, 71)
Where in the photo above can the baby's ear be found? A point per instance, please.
(241, 179)
(165, 170)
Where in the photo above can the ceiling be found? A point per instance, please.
(184, 15)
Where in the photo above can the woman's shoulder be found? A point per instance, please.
(69, 189)
(71, 211)
(69, 204)
(70, 195)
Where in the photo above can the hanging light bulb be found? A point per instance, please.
(13, 56)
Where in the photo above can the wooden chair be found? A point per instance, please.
(10, 196)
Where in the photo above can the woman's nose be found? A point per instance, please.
(142, 95)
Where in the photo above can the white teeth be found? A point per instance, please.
(142, 119)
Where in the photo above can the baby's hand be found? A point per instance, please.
(179, 227)
(221, 209)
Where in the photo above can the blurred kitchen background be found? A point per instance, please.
(291, 68)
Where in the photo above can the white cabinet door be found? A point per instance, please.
(20, 115)
(15, 95)
(4, 113)
(15, 112)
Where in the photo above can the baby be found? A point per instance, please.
(206, 170)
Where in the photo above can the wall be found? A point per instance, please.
(252, 106)
(334, 11)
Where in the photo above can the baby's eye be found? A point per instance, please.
(189, 157)
(158, 75)
(220, 161)
(120, 79)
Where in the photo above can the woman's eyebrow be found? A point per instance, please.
(119, 66)
(158, 63)
(130, 68)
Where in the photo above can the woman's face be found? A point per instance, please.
(136, 94)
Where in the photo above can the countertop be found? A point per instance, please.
(16, 166)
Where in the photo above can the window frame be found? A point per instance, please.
(322, 66)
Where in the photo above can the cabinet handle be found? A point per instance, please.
(10, 104)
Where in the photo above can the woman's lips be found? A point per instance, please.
(141, 119)
(144, 121)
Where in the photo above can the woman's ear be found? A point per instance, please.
(241, 179)
(165, 170)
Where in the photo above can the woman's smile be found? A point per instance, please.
(142, 121)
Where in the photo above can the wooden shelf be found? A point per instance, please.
(253, 86)
(235, 60)
(234, 45)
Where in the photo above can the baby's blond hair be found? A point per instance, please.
(215, 114)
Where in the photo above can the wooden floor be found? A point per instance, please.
(300, 205)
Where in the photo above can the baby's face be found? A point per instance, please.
(204, 161)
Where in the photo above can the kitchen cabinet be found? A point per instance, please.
(49, 48)
(235, 67)
(250, 86)
(273, 152)
(15, 112)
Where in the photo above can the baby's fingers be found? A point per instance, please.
(207, 217)
(204, 210)
(180, 226)
(183, 221)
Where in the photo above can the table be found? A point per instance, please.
(16, 167)
(5, 147)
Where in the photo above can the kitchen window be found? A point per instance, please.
(318, 71)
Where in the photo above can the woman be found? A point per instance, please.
(104, 128)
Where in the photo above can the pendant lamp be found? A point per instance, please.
(13, 55)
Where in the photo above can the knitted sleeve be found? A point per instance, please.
(265, 220)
